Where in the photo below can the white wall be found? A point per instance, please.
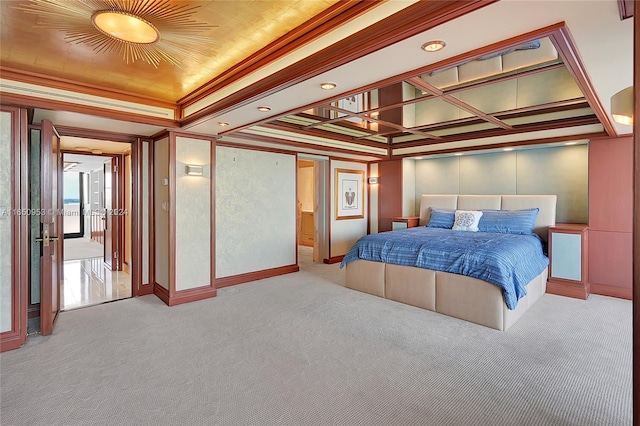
(345, 232)
(255, 210)
(559, 170)
(193, 214)
(409, 187)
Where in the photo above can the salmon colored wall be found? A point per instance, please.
(611, 216)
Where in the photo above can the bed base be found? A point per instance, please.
(455, 295)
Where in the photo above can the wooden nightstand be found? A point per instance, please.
(568, 254)
(404, 222)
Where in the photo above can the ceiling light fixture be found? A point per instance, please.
(152, 31)
(507, 149)
(125, 26)
(328, 86)
(622, 106)
(571, 143)
(264, 108)
(433, 46)
(222, 123)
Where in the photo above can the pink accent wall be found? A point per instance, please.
(611, 216)
(611, 185)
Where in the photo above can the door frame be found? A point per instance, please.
(17, 335)
(138, 288)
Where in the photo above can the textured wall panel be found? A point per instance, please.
(193, 214)
(255, 211)
(6, 247)
(487, 174)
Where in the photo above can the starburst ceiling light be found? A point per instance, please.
(151, 30)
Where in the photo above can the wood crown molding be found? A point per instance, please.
(410, 21)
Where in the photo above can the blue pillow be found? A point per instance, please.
(508, 221)
(441, 219)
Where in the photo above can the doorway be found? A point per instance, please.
(311, 205)
(97, 228)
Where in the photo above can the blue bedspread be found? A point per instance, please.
(509, 261)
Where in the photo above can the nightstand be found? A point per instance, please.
(404, 222)
(568, 254)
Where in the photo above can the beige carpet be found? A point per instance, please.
(300, 349)
(82, 248)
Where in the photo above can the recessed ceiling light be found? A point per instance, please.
(433, 45)
(418, 158)
(507, 149)
(571, 143)
(264, 108)
(222, 123)
(459, 153)
(328, 86)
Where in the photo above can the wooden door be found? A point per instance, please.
(51, 232)
(109, 223)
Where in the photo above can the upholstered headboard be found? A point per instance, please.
(546, 204)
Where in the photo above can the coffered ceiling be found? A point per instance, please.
(483, 90)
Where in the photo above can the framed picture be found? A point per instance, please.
(349, 187)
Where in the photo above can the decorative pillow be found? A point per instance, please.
(509, 221)
(466, 220)
(441, 218)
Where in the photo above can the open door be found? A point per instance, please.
(50, 238)
(112, 225)
(108, 218)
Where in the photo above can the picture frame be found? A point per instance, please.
(349, 194)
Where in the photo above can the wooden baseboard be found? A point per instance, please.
(10, 341)
(253, 276)
(144, 290)
(334, 259)
(612, 291)
(161, 292)
(191, 295)
(183, 296)
(562, 288)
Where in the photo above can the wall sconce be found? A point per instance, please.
(372, 181)
(193, 170)
(622, 106)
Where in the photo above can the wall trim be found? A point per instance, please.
(192, 294)
(256, 275)
(161, 292)
(612, 291)
(334, 259)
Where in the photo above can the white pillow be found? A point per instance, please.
(466, 220)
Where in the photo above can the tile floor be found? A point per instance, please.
(88, 282)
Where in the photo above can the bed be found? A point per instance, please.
(468, 297)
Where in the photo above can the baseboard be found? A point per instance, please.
(191, 295)
(612, 291)
(11, 341)
(161, 292)
(144, 290)
(334, 259)
(577, 291)
(254, 276)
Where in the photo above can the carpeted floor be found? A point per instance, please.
(301, 349)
